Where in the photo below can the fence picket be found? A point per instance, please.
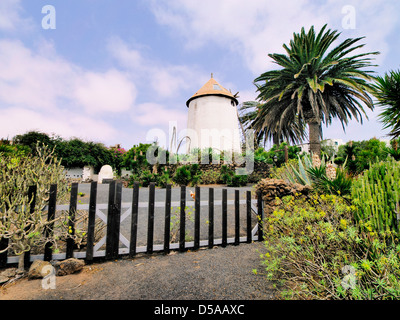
(48, 252)
(134, 220)
(197, 219)
(32, 200)
(167, 227)
(237, 217)
(248, 216)
(71, 220)
(182, 220)
(91, 222)
(117, 220)
(150, 226)
(211, 217)
(224, 218)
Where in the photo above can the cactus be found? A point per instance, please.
(375, 194)
(24, 229)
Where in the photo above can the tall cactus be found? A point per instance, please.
(375, 194)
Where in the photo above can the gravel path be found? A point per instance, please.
(207, 274)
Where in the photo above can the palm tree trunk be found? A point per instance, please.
(275, 138)
(314, 127)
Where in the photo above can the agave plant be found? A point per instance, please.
(317, 176)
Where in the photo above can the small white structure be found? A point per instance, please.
(106, 172)
(213, 119)
(73, 173)
(87, 173)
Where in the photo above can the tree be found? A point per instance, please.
(314, 85)
(387, 91)
(278, 132)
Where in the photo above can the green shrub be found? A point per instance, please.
(376, 196)
(210, 177)
(187, 175)
(312, 244)
(164, 179)
(237, 181)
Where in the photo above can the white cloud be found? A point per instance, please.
(10, 16)
(60, 122)
(258, 27)
(165, 80)
(105, 92)
(48, 93)
(154, 114)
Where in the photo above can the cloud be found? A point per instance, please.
(258, 27)
(51, 94)
(10, 17)
(105, 92)
(164, 80)
(154, 114)
(59, 122)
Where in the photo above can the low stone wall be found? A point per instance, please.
(261, 170)
(278, 188)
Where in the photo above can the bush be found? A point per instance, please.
(25, 229)
(376, 196)
(237, 181)
(314, 247)
(187, 175)
(210, 177)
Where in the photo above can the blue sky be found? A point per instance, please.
(111, 71)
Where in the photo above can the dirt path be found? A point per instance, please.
(208, 274)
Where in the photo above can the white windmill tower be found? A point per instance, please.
(213, 119)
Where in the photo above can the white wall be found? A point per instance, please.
(213, 123)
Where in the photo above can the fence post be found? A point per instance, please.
(117, 219)
(134, 221)
(110, 220)
(71, 220)
(182, 220)
(48, 251)
(224, 218)
(197, 219)
(237, 217)
(91, 222)
(260, 215)
(167, 228)
(248, 216)
(150, 227)
(32, 199)
(211, 217)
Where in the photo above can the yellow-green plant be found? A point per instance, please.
(22, 228)
(315, 250)
(376, 193)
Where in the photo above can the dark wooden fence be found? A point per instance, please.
(113, 222)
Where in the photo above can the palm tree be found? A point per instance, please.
(387, 91)
(248, 113)
(314, 85)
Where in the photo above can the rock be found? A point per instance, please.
(35, 271)
(68, 266)
(3, 279)
(9, 273)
